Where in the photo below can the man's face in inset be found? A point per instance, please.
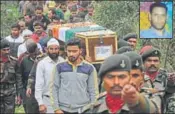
(114, 81)
(158, 18)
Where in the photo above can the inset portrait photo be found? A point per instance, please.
(156, 19)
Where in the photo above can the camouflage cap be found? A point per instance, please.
(136, 60)
(130, 35)
(151, 52)
(117, 62)
(4, 43)
(122, 43)
(124, 49)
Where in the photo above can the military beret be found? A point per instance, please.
(130, 35)
(117, 62)
(136, 60)
(122, 43)
(124, 49)
(151, 52)
(4, 43)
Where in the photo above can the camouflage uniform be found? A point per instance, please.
(154, 96)
(101, 107)
(170, 95)
(9, 78)
(32, 104)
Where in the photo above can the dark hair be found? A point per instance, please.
(56, 18)
(38, 23)
(53, 11)
(157, 4)
(73, 42)
(16, 25)
(39, 8)
(28, 14)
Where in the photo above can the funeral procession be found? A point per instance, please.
(87, 57)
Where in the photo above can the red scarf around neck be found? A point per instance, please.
(114, 103)
(4, 59)
(153, 75)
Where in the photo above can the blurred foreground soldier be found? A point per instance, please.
(26, 66)
(139, 80)
(151, 58)
(74, 81)
(120, 96)
(43, 76)
(9, 78)
(131, 38)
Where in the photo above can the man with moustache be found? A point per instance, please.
(158, 77)
(10, 79)
(43, 76)
(141, 81)
(74, 81)
(39, 32)
(120, 96)
(157, 18)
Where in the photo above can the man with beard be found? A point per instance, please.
(43, 76)
(158, 77)
(157, 18)
(131, 38)
(74, 81)
(10, 79)
(120, 96)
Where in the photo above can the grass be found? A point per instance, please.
(19, 110)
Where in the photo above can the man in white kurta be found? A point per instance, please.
(43, 76)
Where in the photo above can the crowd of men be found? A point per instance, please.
(46, 75)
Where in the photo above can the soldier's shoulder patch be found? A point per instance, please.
(13, 58)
